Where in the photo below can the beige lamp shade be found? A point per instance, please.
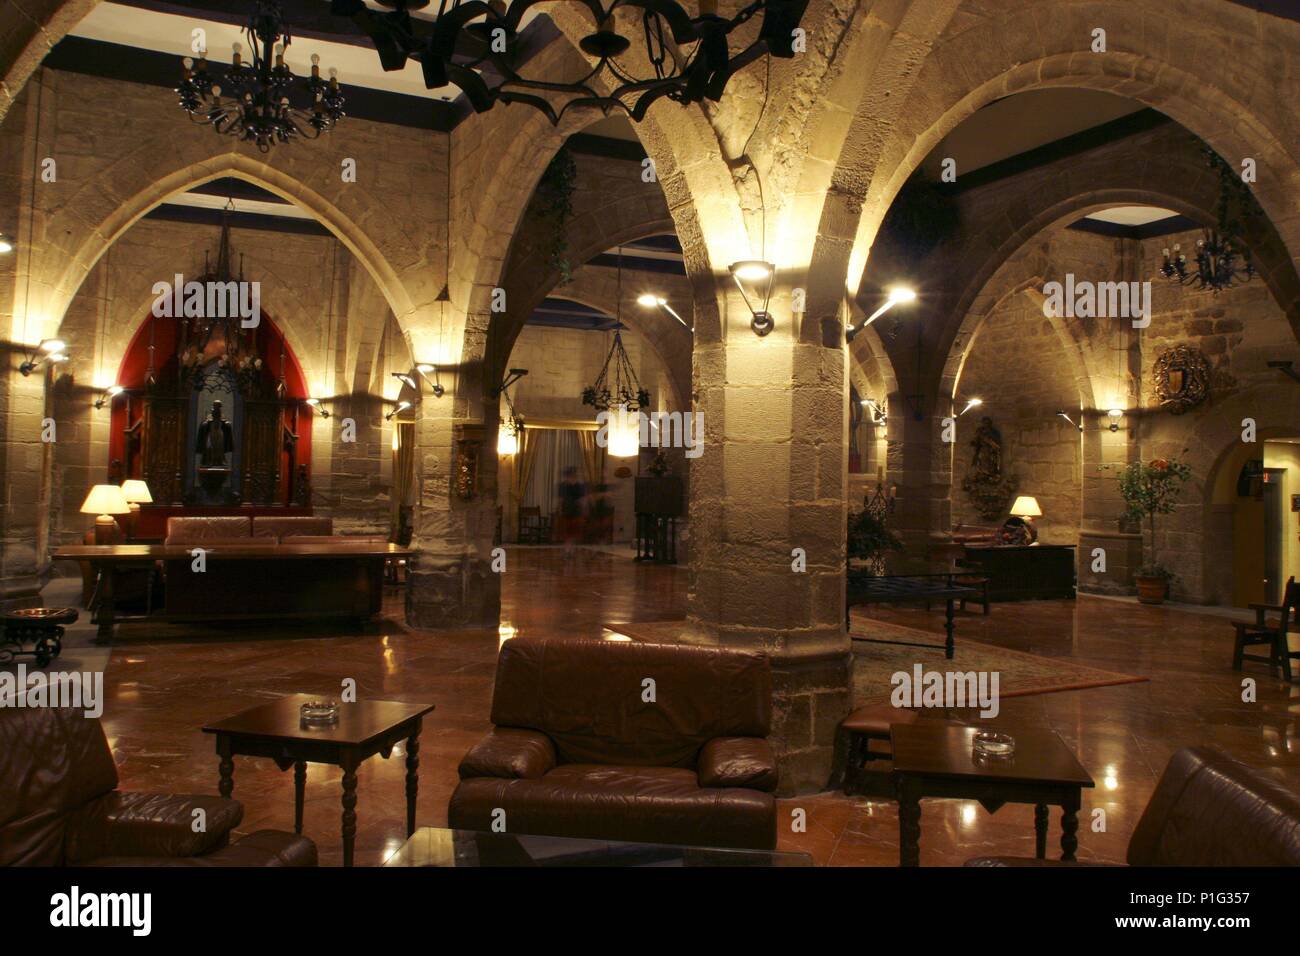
(136, 491)
(1026, 506)
(105, 500)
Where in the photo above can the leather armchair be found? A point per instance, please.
(60, 806)
(577, 751)
(1208, 810)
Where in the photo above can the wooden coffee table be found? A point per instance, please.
(365, 728)
(934, 760)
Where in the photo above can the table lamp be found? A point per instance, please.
(104, 501)
(1026, 507)
(136, 493)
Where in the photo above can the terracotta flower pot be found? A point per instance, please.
(1151, 590)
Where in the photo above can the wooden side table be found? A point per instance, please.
(933, 760)
(365, 728)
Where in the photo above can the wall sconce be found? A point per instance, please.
(50, 350)
(397, 410)
(877, 410)
(424, 368)
(1070, 420)
(897, 295)
(756, 273)
(1115, 414)
(649, 300)
(107, 395)
(316, 403)
(970, 403)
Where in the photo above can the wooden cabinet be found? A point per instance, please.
(1028, 573)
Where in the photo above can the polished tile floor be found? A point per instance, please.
(163, 684)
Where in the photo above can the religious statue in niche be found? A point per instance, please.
(985, 484)
(1182, 378)
(215, 441)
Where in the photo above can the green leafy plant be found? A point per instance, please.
(1149, 489)
(869, 538)
(554, 207)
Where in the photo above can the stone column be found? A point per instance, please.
(772, 479)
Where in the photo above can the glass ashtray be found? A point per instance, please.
(989, 743)
(319, 712)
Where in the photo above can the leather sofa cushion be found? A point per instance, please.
(149, 825)
(509, 752)
(378, 539)
(260, 848)
(1210, 810)
(637, 804)
(587, 696)
(52, 761)
(738, 762)
(196, 530)
(292, 525)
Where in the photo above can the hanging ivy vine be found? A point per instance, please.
(554, 206)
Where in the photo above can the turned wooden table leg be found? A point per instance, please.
(909, 825)
(349, 808)
(225, 768)
(949, 626)
(1069, 827)
(1040, 831)
(299, 791)
(104, 634)
(412, 778)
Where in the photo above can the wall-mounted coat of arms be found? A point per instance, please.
(1182, 378)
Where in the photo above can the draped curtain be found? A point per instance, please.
(593, 459)
(557, 449)
(525, 458)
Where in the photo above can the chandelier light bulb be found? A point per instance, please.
(187, 62)
(315, 59)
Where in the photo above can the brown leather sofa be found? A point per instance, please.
(1208, 810)
(194, 529)
(289, 526)
(577, 752)
(60, 806)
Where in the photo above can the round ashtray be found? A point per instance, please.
(989, 743)
(320, 712)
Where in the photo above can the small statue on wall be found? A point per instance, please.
(985, 484)
(216, 439)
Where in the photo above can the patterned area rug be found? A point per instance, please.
(1019, 674)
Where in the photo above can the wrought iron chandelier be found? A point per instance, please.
(478, 47)
(1222, 260)
(621, 389)
(255, 103)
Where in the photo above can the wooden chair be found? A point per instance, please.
(1270, 632)
(534, 527)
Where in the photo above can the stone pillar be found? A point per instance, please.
(24, 464)
(452, 583)
(920, 464)
(772, 479)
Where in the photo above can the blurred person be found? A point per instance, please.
(572, 494)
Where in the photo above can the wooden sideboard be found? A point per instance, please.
(1024, 573)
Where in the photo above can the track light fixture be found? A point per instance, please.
(896, 296)
(317, 404)
(1070, 420)
(397, 410)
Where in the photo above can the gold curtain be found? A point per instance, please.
(593, 458)
(525, 458)
(403, 473)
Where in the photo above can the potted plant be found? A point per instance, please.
(869, 539)
(1149, 489)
